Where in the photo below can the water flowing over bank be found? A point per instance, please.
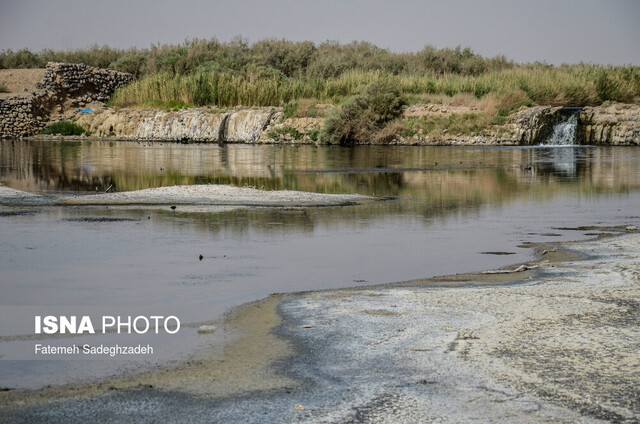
(565, 131)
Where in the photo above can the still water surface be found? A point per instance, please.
(450, 204)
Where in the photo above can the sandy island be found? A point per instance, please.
(198, 195)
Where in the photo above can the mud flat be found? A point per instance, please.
(562, 347)
(198, 195)
(558, 342)
(10, 196)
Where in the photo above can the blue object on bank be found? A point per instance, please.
(85, 110)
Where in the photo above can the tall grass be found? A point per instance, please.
(274, 72)
(575, 86)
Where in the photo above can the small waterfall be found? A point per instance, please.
(564, 133)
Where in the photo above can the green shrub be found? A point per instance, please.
(133, 63)
(277, 133)
(362, 116)
(290, 110)
(314, 134)
(64, 128)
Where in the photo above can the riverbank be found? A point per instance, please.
(419, 124)
(553, 341)
(375, 109)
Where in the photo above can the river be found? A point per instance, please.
(446, 210)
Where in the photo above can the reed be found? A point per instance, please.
(274, 72)
(571, 86)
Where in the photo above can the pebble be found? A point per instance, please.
(466, 335)
(206, 329)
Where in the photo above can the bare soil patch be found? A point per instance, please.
(19, 80)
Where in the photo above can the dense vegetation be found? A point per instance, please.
(364, 117)
(286, 73)
(267, 57)
(273, 72)
(64, 128)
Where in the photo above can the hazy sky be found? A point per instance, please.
(556, 31)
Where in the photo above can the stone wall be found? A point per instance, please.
(65, 85)
(81, 83)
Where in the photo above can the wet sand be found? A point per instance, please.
(555, 343)
(249, 353)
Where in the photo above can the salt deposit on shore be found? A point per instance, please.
(562, 348)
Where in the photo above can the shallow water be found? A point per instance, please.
(450, 204)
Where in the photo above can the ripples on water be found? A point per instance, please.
(451, 205)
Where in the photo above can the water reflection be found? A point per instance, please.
(441, 175)
(562, 162)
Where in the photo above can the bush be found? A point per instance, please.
(290, 110)
(64, 128)
(277, 133)
(133, 63)
(362, 116)
(3, 87)
(314, 134)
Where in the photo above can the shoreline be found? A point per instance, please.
(278, 339)
(558, 348)
(614, 125)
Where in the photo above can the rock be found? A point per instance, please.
(189, 124)
(616, 124)
(299, 408)
(466, 335)
(206, 329)
(247, 124)
(631, 228)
